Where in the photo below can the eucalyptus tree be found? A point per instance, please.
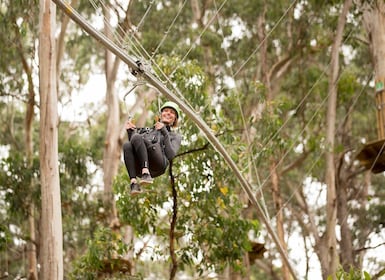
(18, 49)
(20, 172)
(51, 238)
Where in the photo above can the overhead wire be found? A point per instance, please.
(144, 15)
(233, 74)
(316, 160)
(267, 36)
(139, 51)
(136, 47)
(290, 117)
(300, 104)
(168, 29)
(222, 6)
(216, 13)
(99, 6)
(193, 45)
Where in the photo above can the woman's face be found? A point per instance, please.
(168, 116)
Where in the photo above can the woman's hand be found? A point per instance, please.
(130, 125)
(159, 125)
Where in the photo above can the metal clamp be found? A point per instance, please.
(142, 67)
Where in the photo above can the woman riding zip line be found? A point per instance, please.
(149, 150)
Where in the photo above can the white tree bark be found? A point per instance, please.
(112, 151)
(51, 253)
(330, 267)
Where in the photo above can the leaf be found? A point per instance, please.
(224, 190)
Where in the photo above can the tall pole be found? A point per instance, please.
(155, 82)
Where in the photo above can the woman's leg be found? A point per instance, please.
(157, 159)
(141, 152)
(130, 160)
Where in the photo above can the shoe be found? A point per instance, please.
(146, 179)
(135, 189)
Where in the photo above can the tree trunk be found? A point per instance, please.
(29, 116)
(279, 208)
(51, 254)
(346, 245)
(331, 203)
(31, 253)
(112, 152)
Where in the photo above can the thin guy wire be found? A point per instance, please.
(201, 34)
(267, 36)
(107, 24)
(322, 153)
(303, 100)
(168, 29)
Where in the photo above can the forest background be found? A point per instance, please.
(288, 87)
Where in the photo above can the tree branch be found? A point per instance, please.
(174, 261)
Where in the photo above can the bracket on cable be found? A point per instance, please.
(137, 72)
(141, 68)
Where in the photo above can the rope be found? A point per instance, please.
(144, 16)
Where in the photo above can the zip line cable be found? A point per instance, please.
(205, 129)
(217, 11)
(117, 37)
(135, 47)
(288, 119)
(144, 16)
(140, 51)
(185, 56)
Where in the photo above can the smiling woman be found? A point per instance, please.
(149, 151)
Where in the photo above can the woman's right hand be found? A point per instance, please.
(130, 125)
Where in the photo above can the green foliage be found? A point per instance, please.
(5, 235)
(18, 32)
(352, 274)
(18, 184)
(104, 253)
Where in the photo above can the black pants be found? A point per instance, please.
(140, 153)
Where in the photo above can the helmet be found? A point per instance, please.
(172, 105)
